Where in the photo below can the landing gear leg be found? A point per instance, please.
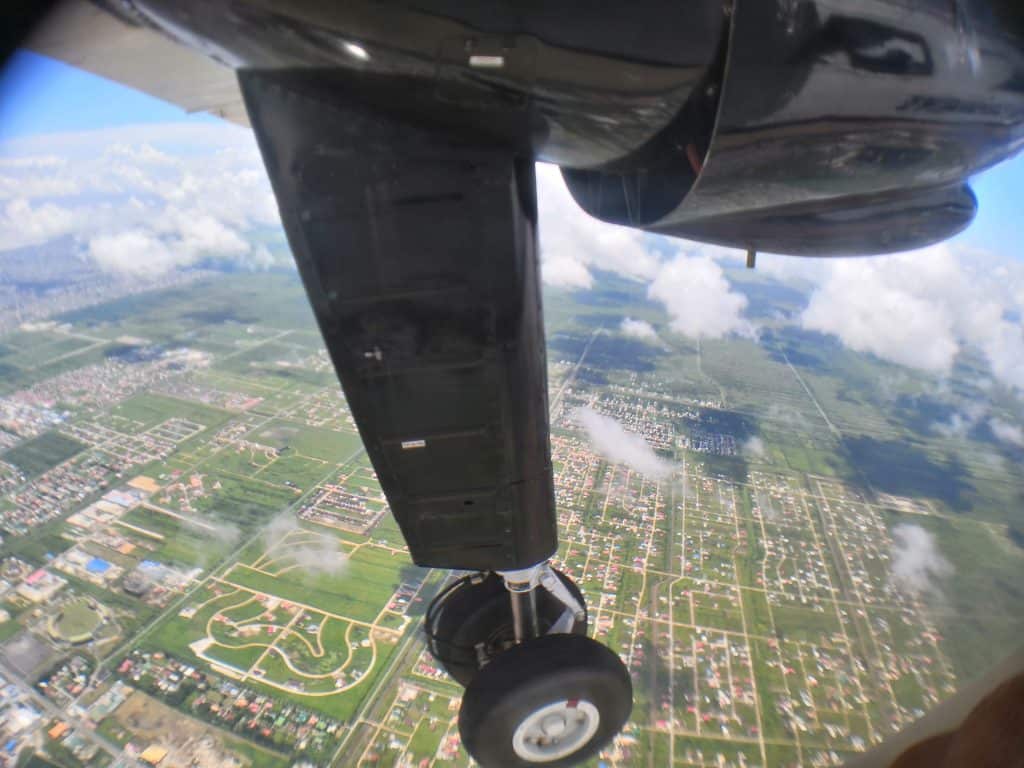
(538, 690)
(484, 614)
(418, 249)
(523, 587)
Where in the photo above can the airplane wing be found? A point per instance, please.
(91, 38)
(418, 253)
(400, 138)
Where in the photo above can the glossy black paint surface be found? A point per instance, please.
(842, 123)
(400, 137)
(753, 124)
(578, 84)
(419, 257)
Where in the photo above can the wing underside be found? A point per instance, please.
(90, 38)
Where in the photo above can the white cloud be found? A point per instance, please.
(798, 271)
(565, 272)
(1003, 346)
(1011, 434)
(638, 329)
(572, 243)
(871, 311)
(612, 441)
(25, 223)
(136, 252)
(754, 447)
(699, 299)
(144, 153)
(54, 149)
(184, 192)
(204, 235)
(34, 187)
(918, 567)
(312, 551)
(961, 422)
(226, 533)
(259, 258)
(32, 161)
(922, 308)
(178, 241)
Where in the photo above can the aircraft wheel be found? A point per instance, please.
(554, 701)
(472, 622)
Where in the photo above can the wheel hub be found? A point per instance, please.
(556, 730)
(553, 725)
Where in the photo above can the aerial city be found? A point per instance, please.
(796, 516)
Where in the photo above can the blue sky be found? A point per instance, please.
(145, 189)
(39, 96)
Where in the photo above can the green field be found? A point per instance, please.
(77, 620)
(301, 471)
(314, 442)
(13, 378)
(182, 543)
(36, 456)
(776, 562)
(148, 410)
(186, 314)
(246, 502)
(359, 590)
(39, 348)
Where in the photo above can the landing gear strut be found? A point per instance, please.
(417, 244)
(538, 690)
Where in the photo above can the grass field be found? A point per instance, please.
(181, 542)
(77, 620)
(246, 502)
(32, 349)
(39, 545)
(148, 410)
(190, 313)
(313, 442)
(817, 407)
(36, 456)
(984, 603)
(358, 591)
(13, 378)
(301, 471)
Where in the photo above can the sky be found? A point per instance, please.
(39, 96)
(145, 188)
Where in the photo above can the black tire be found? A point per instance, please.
(538, 674)
(482, 613)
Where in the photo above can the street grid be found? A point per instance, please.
(756, 611)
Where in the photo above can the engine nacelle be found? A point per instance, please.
(829, 128)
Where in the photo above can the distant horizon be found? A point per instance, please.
(51, 97)
(790, 497)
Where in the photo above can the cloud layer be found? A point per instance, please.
(922, 309)
(572, 243)
(918, 567)
(314, 553)
(638, 329)
(699, 298)
(618, 446)
(753, 447)
(1005, 432)
(147, 199)
(141, 200)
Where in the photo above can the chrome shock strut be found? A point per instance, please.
(522, 586)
